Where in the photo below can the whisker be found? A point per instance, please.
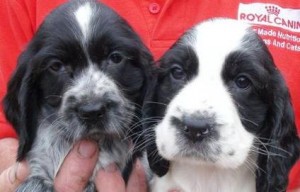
(153, 102)
(270, 145)
(249, 121)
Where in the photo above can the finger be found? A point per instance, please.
(13, 176)
(8, 152)
(295, 190)
(137, 180)
(110, 179)
(77, 168)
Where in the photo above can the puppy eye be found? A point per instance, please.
(242, 82)
(53, 100)
(177, 72)
(56, 66)
(116, 57)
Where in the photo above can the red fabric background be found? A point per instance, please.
(21, 18)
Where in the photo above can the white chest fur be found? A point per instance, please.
(199, 178)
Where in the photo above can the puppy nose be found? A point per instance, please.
(196, 129)
(92, 111)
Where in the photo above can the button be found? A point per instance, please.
(154, 8)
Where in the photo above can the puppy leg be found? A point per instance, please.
(35, 184)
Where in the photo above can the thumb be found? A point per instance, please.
(77, 167)
(13, 176)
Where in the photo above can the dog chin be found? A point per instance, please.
(99, 135)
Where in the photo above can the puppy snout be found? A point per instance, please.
(194, 128)
(93, 111)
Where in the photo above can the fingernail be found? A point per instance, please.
(22, 171)
(87, 149)
(111, 168)
(138, 164)
(12, 173)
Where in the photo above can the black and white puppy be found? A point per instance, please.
(224, 120)
(83, 75)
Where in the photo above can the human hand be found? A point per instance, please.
(294, 190)
(78, 167)
(12, 174)
(115, 183)
(74, 173)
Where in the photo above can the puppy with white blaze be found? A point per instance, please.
(83, 76)
(220, 116)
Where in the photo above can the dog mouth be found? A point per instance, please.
(206, 152)
(97, 135)
(194, 138)
(108, 138)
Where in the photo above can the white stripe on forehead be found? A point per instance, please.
(83, 16)
(213, 42)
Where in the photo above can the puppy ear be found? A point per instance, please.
(157, 164)
(280, 142)
(21, 100)
(141, 81)
(147, 62)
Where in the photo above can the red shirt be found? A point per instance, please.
(160, 23)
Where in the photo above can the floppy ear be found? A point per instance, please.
(280, 138)
(157, 164)
(141, 80)
(146, 62)
(20, 102)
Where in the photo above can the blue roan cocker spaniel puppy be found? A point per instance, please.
(83, 75)
(223, 116)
